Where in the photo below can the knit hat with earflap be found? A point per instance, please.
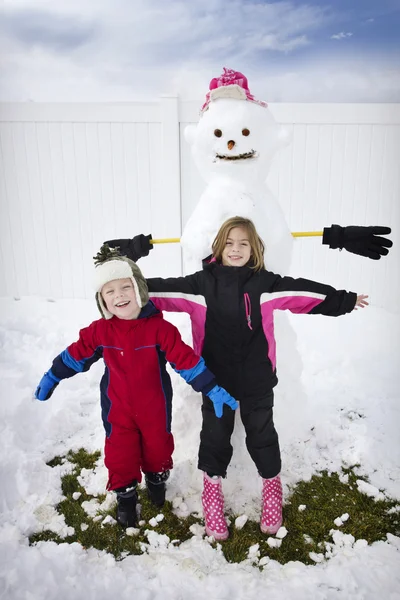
(110, 265)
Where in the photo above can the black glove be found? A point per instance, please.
(134, 248)
(364, 241)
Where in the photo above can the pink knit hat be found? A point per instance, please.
(231, 84)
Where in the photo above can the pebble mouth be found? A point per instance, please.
(251, 154)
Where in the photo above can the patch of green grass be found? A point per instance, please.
(325, 498)
(111, 538)
(83, 459)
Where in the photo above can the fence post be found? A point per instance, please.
(171, 169)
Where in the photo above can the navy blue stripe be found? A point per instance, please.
(166, 387)
(204, 381)
(209, 386)
(105, 402)
(60, 369)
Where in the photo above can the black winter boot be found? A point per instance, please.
(126, 505)
(155, 483)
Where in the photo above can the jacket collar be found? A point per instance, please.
(221, 272)
(148, 310)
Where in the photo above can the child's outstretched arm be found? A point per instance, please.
(307, 297)
(78, 357)
(192, 368)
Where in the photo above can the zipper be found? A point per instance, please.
(247, 306)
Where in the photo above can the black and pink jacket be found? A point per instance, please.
(231, 311)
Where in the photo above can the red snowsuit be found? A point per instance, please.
(136, 391)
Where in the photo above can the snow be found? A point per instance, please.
(241, 521)
(369, 490)
(281, 533)
(350, 416)
(156, 520)
(340, 520)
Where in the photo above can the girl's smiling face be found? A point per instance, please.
(120, 298)
(237, 251)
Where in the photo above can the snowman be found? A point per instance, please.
(233, 146)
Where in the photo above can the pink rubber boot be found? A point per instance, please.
(213, 508)
(271, 508)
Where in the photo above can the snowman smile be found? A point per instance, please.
(251, 154)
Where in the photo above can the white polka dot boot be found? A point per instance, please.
(213, 508)
(271, 508)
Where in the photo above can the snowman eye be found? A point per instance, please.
(245, 132)
(217, 132)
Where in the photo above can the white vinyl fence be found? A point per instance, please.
(73, 175)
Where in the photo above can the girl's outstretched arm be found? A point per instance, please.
(306, 296)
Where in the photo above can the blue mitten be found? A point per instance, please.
(46, 387)
(219, 397)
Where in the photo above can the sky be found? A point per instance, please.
(126, 50)
(349, 414)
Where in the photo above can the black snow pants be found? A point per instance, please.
(262, 442)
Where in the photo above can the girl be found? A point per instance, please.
(231, 303)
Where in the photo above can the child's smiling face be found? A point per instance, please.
(120, 298)
(237, 249)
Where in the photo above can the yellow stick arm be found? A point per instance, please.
(294, 234)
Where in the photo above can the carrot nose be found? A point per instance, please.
(231, 143)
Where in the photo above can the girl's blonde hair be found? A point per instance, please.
(256, 244)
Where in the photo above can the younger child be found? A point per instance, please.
(235, 335)
(135, 342)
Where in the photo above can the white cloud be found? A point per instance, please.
(125, 50)
(272, 42)
(342, 35)
(137, 33)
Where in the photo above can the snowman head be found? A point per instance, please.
(236, 136)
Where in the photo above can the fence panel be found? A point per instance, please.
(73, 175)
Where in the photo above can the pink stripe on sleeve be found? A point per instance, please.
(193, 305)
(296, 302)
